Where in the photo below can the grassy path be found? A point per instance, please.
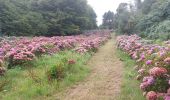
(104, 81)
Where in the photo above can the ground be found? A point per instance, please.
(104, 81)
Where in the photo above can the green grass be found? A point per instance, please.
(130, 86)
(31, 82)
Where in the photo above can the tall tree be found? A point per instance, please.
(147, 17)
(108, 20)
(138, 4)
(46, 17)
(122, 18)
(146, 6)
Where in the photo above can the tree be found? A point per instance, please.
(46, 17)
(148, 18)
(146, 6)
(108, 20)
(123, 18)
(138, 4)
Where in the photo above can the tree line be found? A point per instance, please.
(45, 17)
(148, 18)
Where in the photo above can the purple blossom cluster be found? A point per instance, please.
(153, 64)
(147, 81)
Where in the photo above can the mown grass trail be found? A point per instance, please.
(104, 81)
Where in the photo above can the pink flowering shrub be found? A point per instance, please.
(153, 62)
(151, 95)
(19, 56)
(167, 60)
(92, 44)
(20, 50)
(157, 71)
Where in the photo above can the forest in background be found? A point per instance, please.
(147, 18)
(45, 17)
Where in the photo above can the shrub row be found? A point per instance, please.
(153, 65)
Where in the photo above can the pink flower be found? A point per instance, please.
(157, 71)
(150, 52)
(149, 62)
(167, 60)
(147, 81)
(168, 91)
(167, 97)
(142, 57)
(144, 85)
(151, 95)
(134, 56)
(141, 71)
(160, 95)
(162, 53)
(150, 80)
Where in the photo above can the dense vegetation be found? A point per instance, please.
(148, 18)
(45, 17)
(37, 67)
(130, 86)
(153, 64)
(108, 20)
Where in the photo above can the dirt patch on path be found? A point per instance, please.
(104, 81)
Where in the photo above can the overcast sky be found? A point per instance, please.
(102, 6)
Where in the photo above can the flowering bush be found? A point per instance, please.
(157, 71)
(92, 44)
(19, 56)
(151, 95)
(153, 63)
(19, 50)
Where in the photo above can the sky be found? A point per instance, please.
(102, 6)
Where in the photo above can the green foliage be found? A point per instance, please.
(122, 21)
(29, 83)
(108, 20)
(56, 72)
(148, 18)
(45, 17)
(125, 22)
(146, 6)
(138, 4)
(160, 85)
(154, 22)
(160, 31)
(130, 86)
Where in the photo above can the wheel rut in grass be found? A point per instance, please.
(104, 81)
